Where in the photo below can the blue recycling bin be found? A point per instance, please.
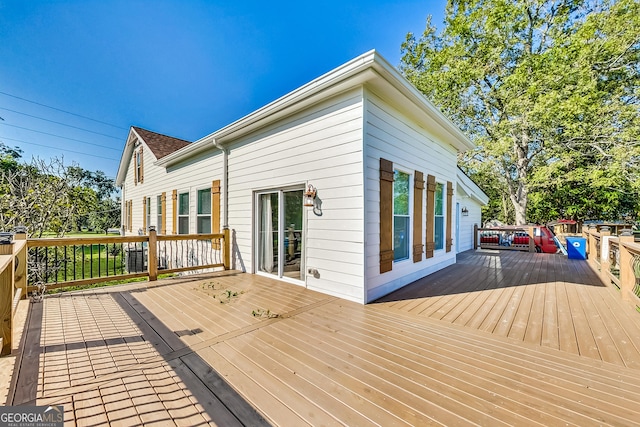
(577, 248)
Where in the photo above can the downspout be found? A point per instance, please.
(225, 186)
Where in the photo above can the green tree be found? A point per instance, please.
(548, 90)
(47, 196)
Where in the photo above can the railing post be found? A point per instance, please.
(475, 236)
(627, 277)
(152, 256)
(6, 300)
(227, 248)
(591, 244)
(21, 272)
(605, 265)
(532, 240)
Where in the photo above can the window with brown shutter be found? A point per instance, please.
(215, 210)
(144, 214)
(430, 217)
(418, 189)
(141, 174)
(449, 240)
(174, 206)
(135, 168)
(386, 215)
(162, 207)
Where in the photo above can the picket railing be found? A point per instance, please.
(617, 259)
(13, 286)
(34, 265)
(506, 238)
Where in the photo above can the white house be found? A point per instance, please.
(382, 159)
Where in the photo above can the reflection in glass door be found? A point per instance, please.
(280, 236)
(268, 233)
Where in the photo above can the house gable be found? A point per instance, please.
(158, 145)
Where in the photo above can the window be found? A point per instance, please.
(400, 215)
(183, 213)
(139, 178)
(159, 221)
(148, 213)
(439, 217)
(204, 211)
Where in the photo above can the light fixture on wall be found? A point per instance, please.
(465, 211)
(309, 195)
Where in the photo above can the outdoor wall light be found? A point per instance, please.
(465, 211)
(309, 195)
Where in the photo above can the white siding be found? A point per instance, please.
(322, 146)
(195, 174)
(391, 135)
(465, 242)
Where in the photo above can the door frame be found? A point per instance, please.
(281, 232)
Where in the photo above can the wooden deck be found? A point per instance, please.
(497, 339)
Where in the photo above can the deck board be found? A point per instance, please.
(497, 339)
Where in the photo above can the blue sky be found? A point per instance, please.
(182, 68)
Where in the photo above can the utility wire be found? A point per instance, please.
(63, 137)
(56, 148)
(59, 123)
(63, 111)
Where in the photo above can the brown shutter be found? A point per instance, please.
(386, 215)
(431, 191)
(449, 240)
(135, 168)
(215, 210)
(130, 214)
(418, 188)
(141, 166)
(174, 201)
(144, 214)
(163, 200)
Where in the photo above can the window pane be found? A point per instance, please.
(183, 225)
(400, 193)
(159, 201)
(204, 201)
(204, 224)
(400, 238)
(183, 200)
(439, 199)
(439, 232)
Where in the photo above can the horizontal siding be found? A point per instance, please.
(190, 176)
(467, 223)
(392, 136)
(322, 146)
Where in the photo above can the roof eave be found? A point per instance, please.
(126, 156)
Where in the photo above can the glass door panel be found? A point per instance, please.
(280, 233)
(268, 225)
(292, 228)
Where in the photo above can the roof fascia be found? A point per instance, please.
(126, 156)
(471, 188)
(368, 67)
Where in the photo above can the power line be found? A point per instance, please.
(63, 111)
(56, 148)
(59, 123)
(63, 137)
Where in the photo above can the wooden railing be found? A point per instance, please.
(13, 284)
(67, 262)
(515, 239)
(35, 264)
(617, 259)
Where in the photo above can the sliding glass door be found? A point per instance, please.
(280, 233)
